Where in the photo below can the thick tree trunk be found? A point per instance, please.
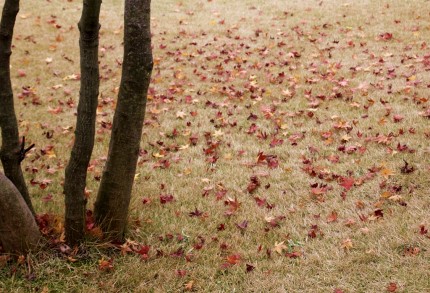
(19, 232)
(111, 207)
(10, 150)
(76, 171)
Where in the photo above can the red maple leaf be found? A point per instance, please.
(143, 251)
(386, 36)
(347, 182)
(165, 198)
(332, 217)
(392, 287)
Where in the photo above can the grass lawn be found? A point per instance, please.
(286, 147)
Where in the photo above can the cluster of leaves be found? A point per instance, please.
(264, 144)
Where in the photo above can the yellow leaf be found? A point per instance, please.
(279, 247)
(154, 111)
(189, 285)
(287, 93)
(347, 244)
(268, 219)
(395, 198)
(386, 173)
(50, 154)
(62, 238)
(71, 259)
(346, 138)
(180, 114)
(382, 121)
(218, 133)
(25, 15)
(71, 77)
(184, 147)
(228, 156)
(386, 194)
(58, 224)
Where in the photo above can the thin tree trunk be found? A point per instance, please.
(113, 199)
(19, 232)
(76, 171)
(10, 150)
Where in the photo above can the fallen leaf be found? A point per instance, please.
(189, 286)
(347, 182)
(332, 217)
(392, 287)
(106, 264)
(233, 259)
(280, 247)
(347, 244)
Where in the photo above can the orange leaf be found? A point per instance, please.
(105, 265)
(189, 285)
(386, 173)
(233, 259)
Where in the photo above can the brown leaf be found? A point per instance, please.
(406, 169)
(249, 268)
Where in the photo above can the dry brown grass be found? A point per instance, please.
(359, 252)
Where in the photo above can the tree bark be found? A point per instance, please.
(19, 232)
(76, 171)
(113, 199)
(10, 150)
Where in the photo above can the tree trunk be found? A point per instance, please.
(19, 232)
(113, 199)
(76, 171)
(10, 150)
